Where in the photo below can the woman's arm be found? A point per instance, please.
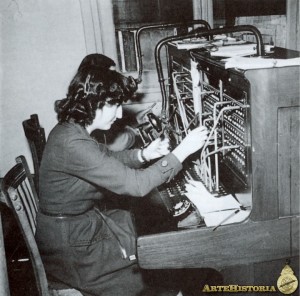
(86, 161)
(137, 157)
(129, 158)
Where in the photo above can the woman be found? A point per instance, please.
(81, 246)
(121, 135)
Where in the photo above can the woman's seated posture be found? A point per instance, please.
(81, 246)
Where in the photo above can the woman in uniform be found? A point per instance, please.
(81, 246)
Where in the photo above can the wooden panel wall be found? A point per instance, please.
(288, 160)
(293, 20)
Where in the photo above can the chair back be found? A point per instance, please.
(35, 135)
(21, 196)
(18, 187)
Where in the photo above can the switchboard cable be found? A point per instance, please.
(203, 179)
(216, 121)
(176, 130)
(208, 175)
(211, 134)
(204, 172)
(175, 76)
(213, 131)
(207, 119)
(222, 149)
(196, 89)
(183, 111)
(217, 151)
(186, 69)
(222, 102)
(179, 137)
(189, 111)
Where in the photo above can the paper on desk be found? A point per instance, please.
(213, 209)
(215, 218)
(206, 202)
(191, 43)
(203, 42)
(235, 50)
(247, 63)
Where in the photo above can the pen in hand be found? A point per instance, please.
(227, 218)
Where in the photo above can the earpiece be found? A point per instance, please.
(155, 122)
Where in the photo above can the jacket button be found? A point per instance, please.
(164, 163)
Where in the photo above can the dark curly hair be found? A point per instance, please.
(89, 90)
(97, 59)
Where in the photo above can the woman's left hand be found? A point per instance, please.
(156, 149)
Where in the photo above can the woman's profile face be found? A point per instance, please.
(106, 116)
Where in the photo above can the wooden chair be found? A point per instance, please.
(21, 196)
(35, 135)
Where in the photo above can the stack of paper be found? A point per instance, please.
(259, 63)
(191, 43)
(235, 50)
(213, 209)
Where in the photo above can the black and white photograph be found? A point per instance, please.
(149, 147)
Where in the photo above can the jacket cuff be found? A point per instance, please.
(170, 164)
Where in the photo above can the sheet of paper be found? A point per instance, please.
(235, 50)
(210, 204)
(246, 63)
(203, 42)
(206, 202)
(215, 218)
(215, 210)
(191, 43)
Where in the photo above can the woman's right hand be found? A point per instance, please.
(191, 143)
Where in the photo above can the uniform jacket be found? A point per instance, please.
(81, 251)
(76, 170)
